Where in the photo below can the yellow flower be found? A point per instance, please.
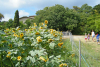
(35, 24)
(18, 29)
(22, 52)
(55, 35)
(60, 44)
(25, 29)
(46, 22)
(51, 32)
(41, 27)
(37, 33)
(42, 23)
(42, 58)
(8, 56)
(63, 64)
(13, 31)
(7, 29)
(14, 34)
(60, 37)
(39, 39)
(21, 35)
(50, 40)
(73, 55)
(9, 52)
(19, 58)
(45, 25)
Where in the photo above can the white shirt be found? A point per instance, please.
(93, 34)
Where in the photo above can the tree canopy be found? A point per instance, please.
(16, 19)
(1, 16)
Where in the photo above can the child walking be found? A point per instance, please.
(85, 37)
(88, 36)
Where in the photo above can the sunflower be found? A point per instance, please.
(8, 56)
(60, 44)
(25, 29)
(73, 55)
(19, 58)
(50, 40)
(7, 29)
(45, 25)
(42, 23)
(39, 39)
(46, 22)
(21, 35)
(43, 59)
(9, 52)
(18, 29)
(63, 64)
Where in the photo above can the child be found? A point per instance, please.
(97, 37)
(88, 36)
(85, 37)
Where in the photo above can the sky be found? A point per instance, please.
(29, 7)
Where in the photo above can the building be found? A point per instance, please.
(24, 18)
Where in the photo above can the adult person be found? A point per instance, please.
(93, 35)
(97, 37)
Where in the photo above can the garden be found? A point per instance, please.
(37, 46)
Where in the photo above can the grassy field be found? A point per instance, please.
(90, 52)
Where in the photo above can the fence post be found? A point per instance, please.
(79, 53)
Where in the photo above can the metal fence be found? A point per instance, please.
(82, 53)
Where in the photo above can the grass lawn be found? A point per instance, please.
(90, 53)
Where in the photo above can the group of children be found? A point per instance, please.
(93, 35)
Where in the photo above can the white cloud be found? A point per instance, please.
(8, 7)
(7, 17)
(23, 13)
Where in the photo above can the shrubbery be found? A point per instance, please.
(33, 47)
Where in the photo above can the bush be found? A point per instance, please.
(33, 47)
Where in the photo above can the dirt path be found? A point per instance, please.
(82, 38)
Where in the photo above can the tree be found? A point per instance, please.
(85, 8)
(76, 8)
(54, 15)
(28, 23)
(1, 16)
(72, 18)
(96, 8)
(16, 19)
(9, 24)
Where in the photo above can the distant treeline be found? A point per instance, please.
(78, 20)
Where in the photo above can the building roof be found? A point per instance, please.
(27, 17)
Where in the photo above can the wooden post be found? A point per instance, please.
(79, 53)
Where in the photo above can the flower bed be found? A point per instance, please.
(33, 47)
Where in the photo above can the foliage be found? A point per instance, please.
(1, 16)
(78, 20)
(16, 19)
(28, 23)
(96, 8)
(33, 47)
